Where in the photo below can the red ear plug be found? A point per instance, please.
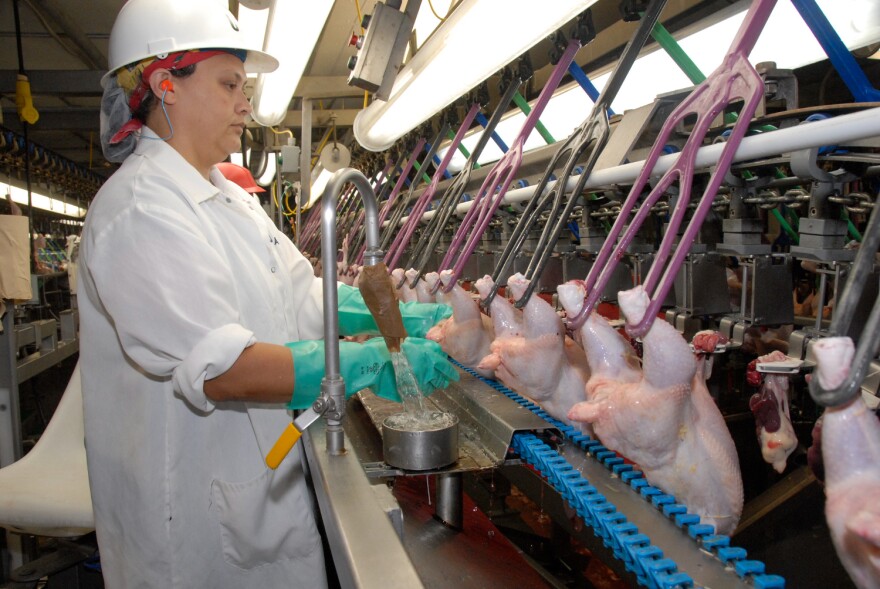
(166, 85)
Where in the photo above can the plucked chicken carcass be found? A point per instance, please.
(404, 293)
(772, 418)
(506, 319)
(423, 291)
(466, 335)
(851, 456)
(661, 417)
(543, 363)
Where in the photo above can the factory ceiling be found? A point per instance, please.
(64, 47)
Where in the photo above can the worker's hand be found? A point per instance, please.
(355, 318)
(368, 365)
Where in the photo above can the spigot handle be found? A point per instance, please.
(293, 432)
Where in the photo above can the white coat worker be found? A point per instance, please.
(196, 316)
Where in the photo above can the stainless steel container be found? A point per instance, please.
(421, 447)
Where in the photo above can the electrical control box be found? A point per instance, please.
(290, 159)
(381, 50)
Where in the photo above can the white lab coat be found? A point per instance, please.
(177, 276)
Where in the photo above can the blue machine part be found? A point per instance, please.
(843, 61)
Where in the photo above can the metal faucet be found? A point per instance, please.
(331, 403)
(333, 386)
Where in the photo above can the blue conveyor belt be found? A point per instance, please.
(631, 547)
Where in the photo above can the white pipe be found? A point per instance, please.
(836, 130)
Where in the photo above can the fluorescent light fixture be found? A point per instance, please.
(269, 173)
(786, 40)
(41, 201)
(319, 183)
(465, 50)
(291, 34)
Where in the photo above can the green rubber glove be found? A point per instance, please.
(368, 365)
(356, 319)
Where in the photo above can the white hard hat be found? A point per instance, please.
(150, 28)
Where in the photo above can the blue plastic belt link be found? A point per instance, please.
(629, 546)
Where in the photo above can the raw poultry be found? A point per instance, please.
(506, 319)
(657, 417)
(404, 292)
(851, 455)
(423, 291)
(543, 363)
(770, 406)
(466, 335)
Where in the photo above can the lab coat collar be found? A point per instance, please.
(169, 159)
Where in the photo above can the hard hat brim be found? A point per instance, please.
(256, 62)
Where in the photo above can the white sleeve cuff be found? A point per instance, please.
(211, 357)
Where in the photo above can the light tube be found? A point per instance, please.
(476, 40)
(292, 31)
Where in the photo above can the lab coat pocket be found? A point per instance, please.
(261, 524)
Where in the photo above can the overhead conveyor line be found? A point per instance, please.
(734, 80)
(834, 131)
(591, 136)
(395, 192)
(461, 148)
(389, 232)
(481, 118)
(405, 235)
(523, 105)
(425, 247)
(357, 244)
(498, 181)
(437, 161)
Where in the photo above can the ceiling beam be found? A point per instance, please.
(321, 118)
(56, 15)
(60, 119)
(56, 82)
(325, 87)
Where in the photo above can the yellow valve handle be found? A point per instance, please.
(282, 447)
(293, 432)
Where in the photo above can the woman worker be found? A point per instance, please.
(187, 296)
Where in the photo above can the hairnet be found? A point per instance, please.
(115, 113)
(125, 91)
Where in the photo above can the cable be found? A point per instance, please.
(282, 132)
(448, 11)
(170, 128)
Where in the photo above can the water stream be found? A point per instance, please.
(407, 387)
(417, 416)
